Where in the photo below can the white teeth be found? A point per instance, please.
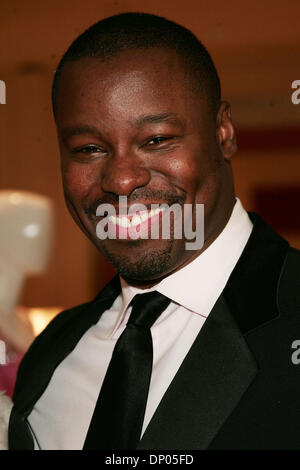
(136, 219)
(156, 211)
(123, 222)
(112, 219)
(145, 216)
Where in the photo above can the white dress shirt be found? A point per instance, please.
(61, 417)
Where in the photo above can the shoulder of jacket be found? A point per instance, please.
(46, 339)
(59, 322)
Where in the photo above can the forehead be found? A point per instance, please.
(136, 81)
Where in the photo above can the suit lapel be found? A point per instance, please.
(210, 382)
(220, 366)
(19, 434)
(251, 291)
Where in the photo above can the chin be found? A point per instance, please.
(140, 263)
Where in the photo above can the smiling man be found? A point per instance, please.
(185, 348)
(143, 126)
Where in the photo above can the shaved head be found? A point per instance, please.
(109, 37)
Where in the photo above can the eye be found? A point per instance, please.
(157, 140)
(89, 149)
(88, 152)
(161, 143)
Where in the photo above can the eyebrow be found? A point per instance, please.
(171, 118)
(80, 130)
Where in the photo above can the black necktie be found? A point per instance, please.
(119, 413)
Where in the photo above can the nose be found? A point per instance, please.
(122, 174)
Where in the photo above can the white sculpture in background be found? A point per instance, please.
(26, 226)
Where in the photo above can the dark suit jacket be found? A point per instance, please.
(237, 387)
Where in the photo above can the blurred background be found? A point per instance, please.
(256, 49)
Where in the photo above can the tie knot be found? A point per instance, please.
(147, 307)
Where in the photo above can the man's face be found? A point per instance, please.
(134, 126)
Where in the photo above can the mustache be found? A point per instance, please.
(144, 196)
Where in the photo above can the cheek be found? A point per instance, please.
(77, 180)
(181, 165)
(190, 171)
(200, 177)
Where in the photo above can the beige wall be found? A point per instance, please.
(256, 48)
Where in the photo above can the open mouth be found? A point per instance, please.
(138, 224)
(135, 220)
(133, 226)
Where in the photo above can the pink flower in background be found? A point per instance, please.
(9, 363)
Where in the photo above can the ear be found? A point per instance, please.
(225, 131)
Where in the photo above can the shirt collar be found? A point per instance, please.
(198, 285)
